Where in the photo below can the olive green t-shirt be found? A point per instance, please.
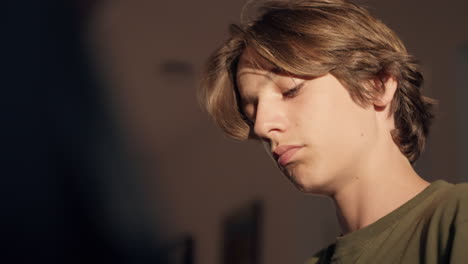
(431, 228)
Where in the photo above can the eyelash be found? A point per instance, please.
(292, 92)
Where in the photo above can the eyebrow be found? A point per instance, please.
(252, 71)
(277, 70)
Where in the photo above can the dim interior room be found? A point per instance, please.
(190, 177)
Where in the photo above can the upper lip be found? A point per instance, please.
(281, 149)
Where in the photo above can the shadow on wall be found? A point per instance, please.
(66, 166)
(462, 98)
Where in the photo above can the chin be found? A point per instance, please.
(309, 183)
(306, 187)
(297, 178)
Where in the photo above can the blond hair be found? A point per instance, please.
(311, 38)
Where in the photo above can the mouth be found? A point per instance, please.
(284, 154)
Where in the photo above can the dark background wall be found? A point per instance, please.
(108, 157)
(62, 156)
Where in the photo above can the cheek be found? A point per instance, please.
(330, 124)
(320, 118)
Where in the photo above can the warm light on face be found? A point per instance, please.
(320, 132)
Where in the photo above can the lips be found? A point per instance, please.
(284, 154)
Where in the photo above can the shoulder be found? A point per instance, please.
(452, 204)
(459, 201)
(461, 189)
(456, 212)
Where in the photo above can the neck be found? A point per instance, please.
(376, 189)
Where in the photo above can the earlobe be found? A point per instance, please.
(388, 91)
(383, 102)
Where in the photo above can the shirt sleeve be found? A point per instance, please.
(459, 252)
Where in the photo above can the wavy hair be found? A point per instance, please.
(311, 38)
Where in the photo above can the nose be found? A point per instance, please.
(270, 119)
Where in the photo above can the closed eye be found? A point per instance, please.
(293, 92)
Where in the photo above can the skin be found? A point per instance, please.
(344, 151)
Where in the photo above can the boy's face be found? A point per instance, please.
(316, 133)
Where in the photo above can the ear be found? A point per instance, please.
(384, 100)
(383, 103)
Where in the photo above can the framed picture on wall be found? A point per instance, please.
(179, 251)
(241, 235)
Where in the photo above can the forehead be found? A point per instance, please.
(255, 71)
(251, 63)
(251, 59)
(252, 67)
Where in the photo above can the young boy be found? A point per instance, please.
(336, 99)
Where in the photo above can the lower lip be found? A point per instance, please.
(286, 157)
